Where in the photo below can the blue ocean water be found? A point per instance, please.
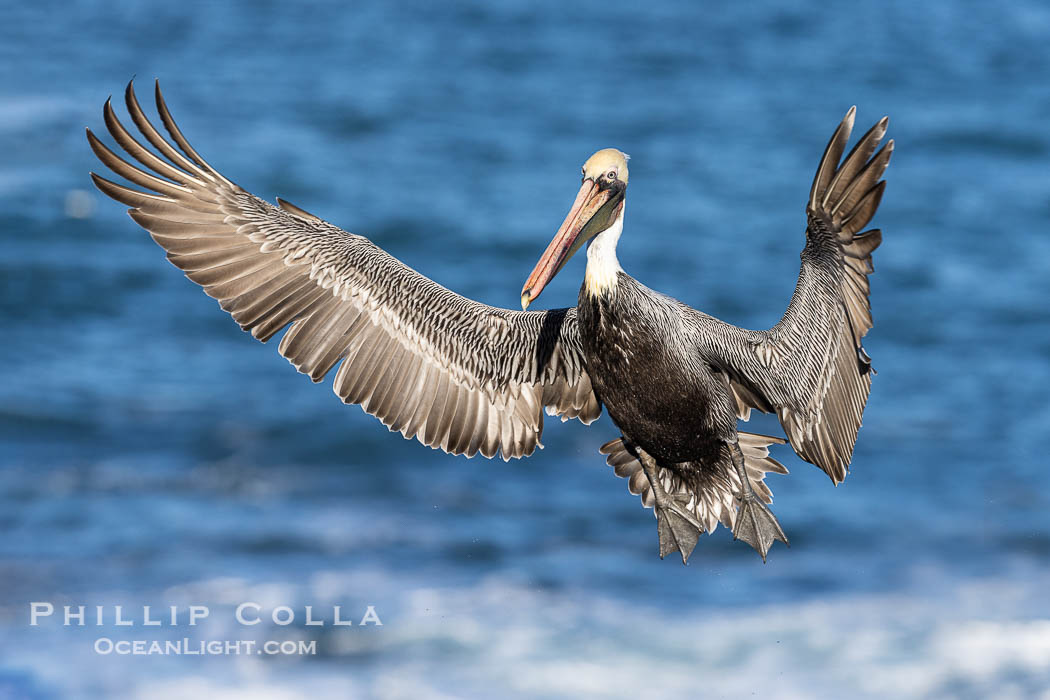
(153, 454)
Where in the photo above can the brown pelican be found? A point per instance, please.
(468, 378)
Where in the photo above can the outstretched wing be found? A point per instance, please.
(811, 367)
(429, 363)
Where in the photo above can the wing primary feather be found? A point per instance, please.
(865, 209)
(142, 154)
(224, 279)
(126, 195)
(857, 158)
(147, 129)
(270, 299)
(863, 182)
(829, 162)
(176, 134)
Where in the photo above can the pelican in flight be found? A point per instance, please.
(470, 378)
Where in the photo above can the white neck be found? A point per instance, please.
(602, 264)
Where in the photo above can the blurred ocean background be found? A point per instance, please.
(153, 454)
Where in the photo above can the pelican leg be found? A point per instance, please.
(678, 529)
(755, 523)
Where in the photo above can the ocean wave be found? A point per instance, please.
(974, 638)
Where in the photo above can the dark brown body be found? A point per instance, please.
(635, 338)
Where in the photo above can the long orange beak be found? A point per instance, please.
(566, 241)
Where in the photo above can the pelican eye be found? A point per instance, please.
(611, 174)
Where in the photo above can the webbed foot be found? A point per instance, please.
(756, 525)
(677, 527)
(678, 530)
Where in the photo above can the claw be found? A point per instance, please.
(756, 525)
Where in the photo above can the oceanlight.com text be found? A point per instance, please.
(195, 647)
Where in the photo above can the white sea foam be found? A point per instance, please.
(967, 639)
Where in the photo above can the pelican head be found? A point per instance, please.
(597, 207)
